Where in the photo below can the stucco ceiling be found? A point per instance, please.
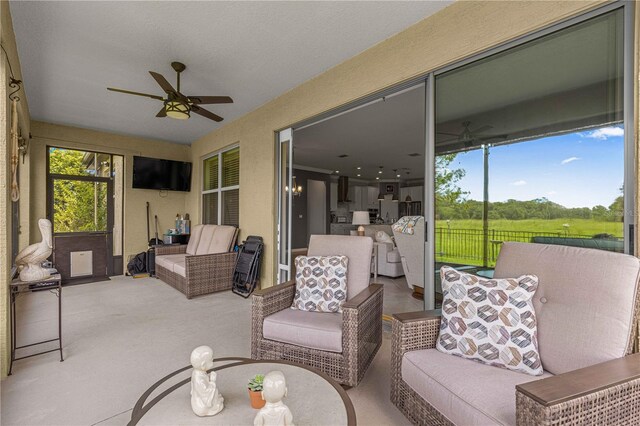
(252, 51)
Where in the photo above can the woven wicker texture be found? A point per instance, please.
(361, 335)
(617, 405)
(163, 250)
(207, 273)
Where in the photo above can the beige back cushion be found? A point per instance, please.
(215, 239)
(357, 249)
(194, 239)
(584, 304)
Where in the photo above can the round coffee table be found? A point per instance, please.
(313, 397)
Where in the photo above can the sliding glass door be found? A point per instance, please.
(284, 158)
(529, 145)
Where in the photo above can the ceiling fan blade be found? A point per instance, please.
(205, 113)
(485, 138)
(200, 100)
(128, 92)
(162, 113)
(482, 129)
(166, 86)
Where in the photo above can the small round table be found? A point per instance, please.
(313, 397)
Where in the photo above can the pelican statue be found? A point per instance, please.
(31, 258)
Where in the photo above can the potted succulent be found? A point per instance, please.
(255, 391)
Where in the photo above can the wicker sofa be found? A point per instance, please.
(340, 344)
(203, 266)
(587, 312)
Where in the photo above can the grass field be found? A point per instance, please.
(462, 241)
(582, 227)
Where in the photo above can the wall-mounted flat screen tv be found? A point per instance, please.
(154, 173)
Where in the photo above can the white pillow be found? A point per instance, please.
(490, 321)
(321, 283)
(383, 237)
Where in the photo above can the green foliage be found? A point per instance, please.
(446, 184)
(255, 384)
(78, 206)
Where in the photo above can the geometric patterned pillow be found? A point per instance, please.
(490, 320)
(321, 283)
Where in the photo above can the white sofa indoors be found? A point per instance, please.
(388, 259)
(203, 266)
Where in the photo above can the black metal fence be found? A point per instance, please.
(467, 246)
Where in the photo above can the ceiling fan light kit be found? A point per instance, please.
(177, 105)
(176, 109)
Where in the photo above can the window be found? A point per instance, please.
(530, 147)
(221, 188)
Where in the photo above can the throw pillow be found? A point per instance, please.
(383, 237)
(321, 283)
(490, 320)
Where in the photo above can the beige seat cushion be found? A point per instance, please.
(169, 261)
(584, 302)
(357, 249)
(465, 391)
(194, 239)
(180, 268)
(313, 330)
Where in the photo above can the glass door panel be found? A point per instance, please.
(284, 182)
(529, 146)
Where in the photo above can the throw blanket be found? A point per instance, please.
(406, 224)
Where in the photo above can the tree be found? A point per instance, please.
(78, 206)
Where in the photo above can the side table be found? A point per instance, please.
(52, 284)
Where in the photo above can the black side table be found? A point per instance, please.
(54, 285)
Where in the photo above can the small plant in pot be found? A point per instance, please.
(255, 391)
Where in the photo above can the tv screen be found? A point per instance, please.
(153, 173)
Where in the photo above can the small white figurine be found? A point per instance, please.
(31, 257)
(205, 398)
(274, 413)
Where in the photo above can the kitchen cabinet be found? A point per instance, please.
(415, 192)
(333, 196)
(372, 197)
(359, 198)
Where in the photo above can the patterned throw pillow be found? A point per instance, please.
(321, 283)
(490, 320)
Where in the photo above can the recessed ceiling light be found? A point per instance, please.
(379, 172)
(358, 167)
(337, 171)
(377, 178)
(359, 175)
(397, 175)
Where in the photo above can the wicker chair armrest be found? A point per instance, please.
(205, 259)
(162, 250)
(361, 331)
(363, 297)
(607, 393)
(265, 302)
(411, 331)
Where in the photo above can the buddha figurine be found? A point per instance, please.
(205, 397)
(274, 413)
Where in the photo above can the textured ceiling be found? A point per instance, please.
(252, 51)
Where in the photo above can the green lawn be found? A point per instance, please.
(462, 241)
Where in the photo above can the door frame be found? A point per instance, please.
(284, 180)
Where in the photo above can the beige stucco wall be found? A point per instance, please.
(7, 38)
(165, 204)
(458, 31)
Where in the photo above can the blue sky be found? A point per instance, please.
(575, 170)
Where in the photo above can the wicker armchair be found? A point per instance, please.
(360, 325)
(203, 266)
(586, 381)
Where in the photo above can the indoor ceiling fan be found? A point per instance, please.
(177, 105)
(468, 136)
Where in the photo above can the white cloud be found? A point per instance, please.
(569, 160)
(605, 133)
(519, 183)
(552, 192)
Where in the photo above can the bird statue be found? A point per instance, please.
(31, 258)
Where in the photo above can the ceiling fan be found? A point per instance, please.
(177, 105)
(468, 136)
